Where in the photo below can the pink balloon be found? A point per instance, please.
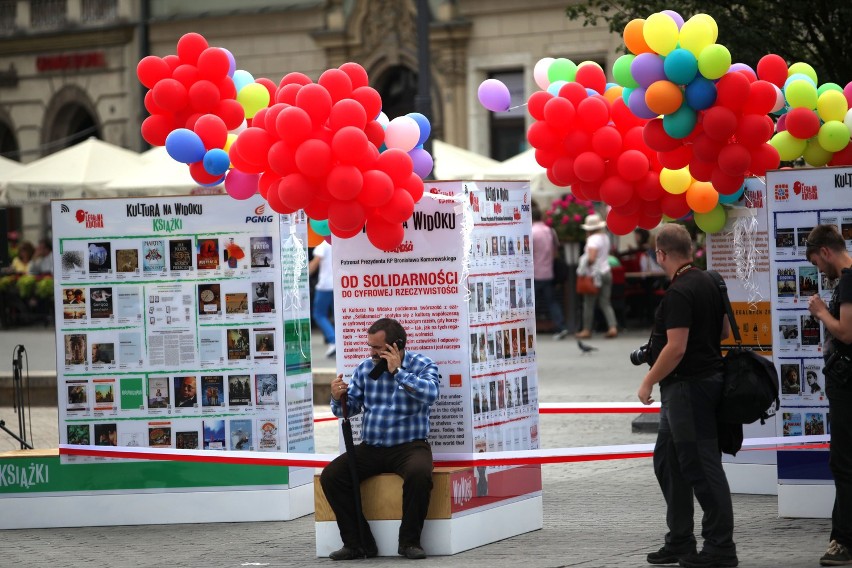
(240, 185)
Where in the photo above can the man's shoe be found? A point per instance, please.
(353, 553)
(583, 334)
(411, 551)
(560, 335)
(332, 349)
(666, 556)
(836, 555)
(707, 560)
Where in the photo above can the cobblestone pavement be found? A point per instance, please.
(596, 514)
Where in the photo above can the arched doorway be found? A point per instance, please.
(398, 88)
(8, 143)
(70, 118)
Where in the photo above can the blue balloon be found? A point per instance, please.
(216, 162)
(728, 199)
(610, 85)
(625, 94)
(796, 77)
(700, 93)
(242, 78)
(554, 87)
(680, 66)
(591, 92)
(185, 146)
(423, 123)
(680, 123)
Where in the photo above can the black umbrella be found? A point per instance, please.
(353, 469)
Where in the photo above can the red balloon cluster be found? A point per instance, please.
(316, 147)
(729, 142)
(596, 147)
(185, 87)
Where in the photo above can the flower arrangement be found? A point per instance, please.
(566, 214)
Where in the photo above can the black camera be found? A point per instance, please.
(641, 355)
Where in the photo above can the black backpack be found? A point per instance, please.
(751, 381)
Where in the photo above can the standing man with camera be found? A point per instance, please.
(686, 360)
(395, 389)
(826, 249)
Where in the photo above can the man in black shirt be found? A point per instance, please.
(826, 249)
(687, 363)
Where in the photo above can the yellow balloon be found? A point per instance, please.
(789, 147)
(708, 19)
(229, 140)
(595, 63)
(660, 33)
(815, 155)
(804, 69)
(253, 97)
(675, 181)
(695, 35)
(832, 105)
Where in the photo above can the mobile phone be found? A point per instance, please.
(382, 366)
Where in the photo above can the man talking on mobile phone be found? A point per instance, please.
(395, 390)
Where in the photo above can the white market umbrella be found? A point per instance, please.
(454, 163)
(158, 174)
(524, 166)
(7, 168)
(81, 170)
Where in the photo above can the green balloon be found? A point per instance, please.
(621, 71)
(713, 221)
(789, 147)
(562, 70)
(714, 61)
(320, 227)
(681, 122)
(833, 136)
(802, 94)
(829, 87)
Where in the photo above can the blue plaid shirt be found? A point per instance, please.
(396, 407)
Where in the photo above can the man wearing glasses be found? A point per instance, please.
(686, 361)
(395, 390)
(826, 249)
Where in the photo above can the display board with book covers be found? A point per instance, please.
(800, 199)
(182, 323)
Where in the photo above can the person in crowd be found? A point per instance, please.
(545, 248)
(324, 294)
(42, 262)
(826, 249)
(21, 263)
(686, 361)
(595, 262)
(394, 390)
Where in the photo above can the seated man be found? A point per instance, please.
(395, 390)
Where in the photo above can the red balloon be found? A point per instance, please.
(273, 197)
(317, 209)
(414, 186)
(190, 46)
(282, 158)
(254, 144)
(563, 171)
(621, 224)
(546, 158)
(734, 160)
(724, 183)
(633, 165)
(606, 141)
(226, 87)
(761, 98)
(344, 182)
(295, 191)
(347, 112)
(170, 95)
(649, 221)
(542, 135)
(375, 133)
(399, 208)
(270, 115)
(841, 158)
(316, 101)
(200, 175)
(589, 167)
(370, 99)
(616, 191)
(204, 96)
(231, 112)
(357, 74)
(212, 131)
(574, 92)
(271, 88)
(591, 77)
(186, 75)
(346, 215)
(295, 78)
(350, 146)
(152, 69)
(632, 139)
(151, 106)
(337, 83)
(623, 118)
(383, 235)
(577, 142)
(213, 64)
(648, 188)
(802, 123)
(397, 164)
(293, 125)
(732, 91)
(719, 123)
(700, 170)
(754, 129)
(377, 190)
(706, 148)
(559, 114)
(633, 207)
(313, 158)
(772, 68)
(265, 182)
(590, 191)
(287, 93)
(536, 102)
(765, 157)
(674, 205)
(656, 138)
(592, 114)
(156, 128)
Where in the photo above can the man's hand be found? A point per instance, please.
(338, 387)
(817, 306)
(393, 356)
(644, 392)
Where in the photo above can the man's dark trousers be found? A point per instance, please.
(412, 461)
(840, 459)
(687, 460)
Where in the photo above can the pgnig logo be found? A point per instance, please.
(258, 216)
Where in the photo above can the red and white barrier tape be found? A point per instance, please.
(514, 458)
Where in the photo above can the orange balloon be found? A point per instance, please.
(702, 197)
(613, 93)
(634, 38)
(314, 238)
(663, 97)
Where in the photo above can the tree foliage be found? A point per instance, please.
(813, 32)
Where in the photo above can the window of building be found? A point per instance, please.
(97, 11)
(8, 15)
(48, 13)
(508, 128)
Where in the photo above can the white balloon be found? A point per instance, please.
(403, 132)
(779, 100)
(243, 125)
(383, 120)
(847, 120)
(540, 72)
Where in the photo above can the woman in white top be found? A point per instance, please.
(595, 261)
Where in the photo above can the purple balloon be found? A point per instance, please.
(739, 67)
(422, 162)
(636, 104)
(648, 68)
(494, 95)
(678, 19)
(232, 62)
(781, 125)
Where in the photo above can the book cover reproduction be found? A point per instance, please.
(792, 425)
(232, 253)
(266, 388)
(209, 299)
(261, 252)
(212, 390)
(814, 424)
(808, 280)
(186, 440)
(127, 260)
(208, 254)
(100, 260)
(236, 303)
(76, 349)
(239, 390)
(180, 254)
(158, 392)
(214, 434)
(78, 434)
(238, 344)
(101, 303)
(160, 436)
(262, 297)
(106, 435)
(268, 439)
(73, 304)
(786, 279)
(153, 256)
(103, 353)
(810, 331)
(241, 435)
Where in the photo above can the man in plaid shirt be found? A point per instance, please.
(395, 390)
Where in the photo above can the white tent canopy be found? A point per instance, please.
(452, 162)
(77, 171)
(7, 168)
(157, 174)
(524, 166)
